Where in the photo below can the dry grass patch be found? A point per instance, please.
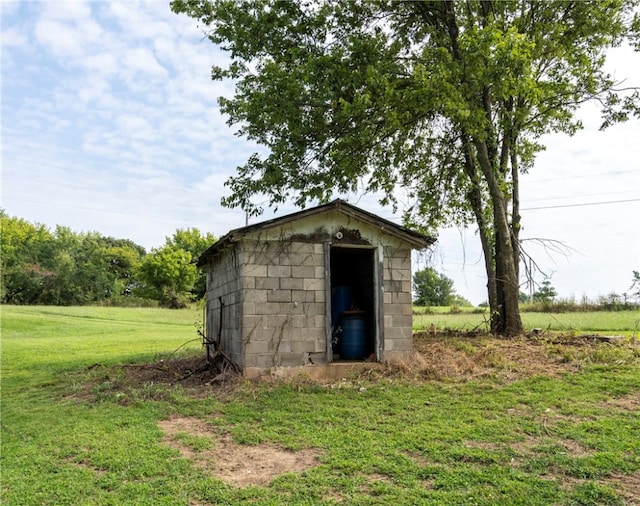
(463, 358)
(233, 463)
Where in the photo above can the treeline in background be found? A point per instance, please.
(63, 267)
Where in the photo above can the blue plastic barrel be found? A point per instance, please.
(341, 300)
(353, 342)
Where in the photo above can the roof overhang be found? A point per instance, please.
(415, 239)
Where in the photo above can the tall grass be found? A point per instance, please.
(604, 322)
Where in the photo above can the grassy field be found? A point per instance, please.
(625, 323)
(466, 421)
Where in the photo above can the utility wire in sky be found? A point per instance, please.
(575, 176)
(581, 205)
(564, 197)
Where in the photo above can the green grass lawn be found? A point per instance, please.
(74, 432)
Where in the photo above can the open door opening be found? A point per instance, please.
(353, 303)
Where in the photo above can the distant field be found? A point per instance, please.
(618, 322)
(51, 339)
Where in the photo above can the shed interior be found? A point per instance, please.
(353, 303)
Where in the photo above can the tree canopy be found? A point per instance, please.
(63, 267)
(169, 273)
(442, 100)
(432, 288)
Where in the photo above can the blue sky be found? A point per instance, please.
(110, 123)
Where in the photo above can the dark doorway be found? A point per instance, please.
(353, 303)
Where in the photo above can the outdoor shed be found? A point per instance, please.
(327, 285)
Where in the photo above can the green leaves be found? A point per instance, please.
(68, 268)
(169, 273)
(432, 288)
(445, 100)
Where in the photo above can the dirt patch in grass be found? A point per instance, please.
(629, 486)
(236, 464)
(629, 402)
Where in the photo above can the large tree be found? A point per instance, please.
(431, 288)
(169, 273)
(445, 100)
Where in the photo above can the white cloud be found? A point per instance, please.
(142, 60)
(110, 122)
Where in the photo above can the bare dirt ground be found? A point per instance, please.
(236, 464)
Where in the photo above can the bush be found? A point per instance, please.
(611, 302)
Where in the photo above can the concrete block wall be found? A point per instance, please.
(284, 303)
(223, 291)
(398, 319)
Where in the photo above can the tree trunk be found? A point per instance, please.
(505, 316)
(486, 236)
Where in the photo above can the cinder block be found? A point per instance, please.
(402, 320)
(302, 347)
(319, 358)
(294, 258)
(320, 345)
(320, 296)
(294, 359)
(293, 308)
(278, 321)
(267, 308)
(314, 284)
(284, 346)
(402, 298)
(305, 248)
(398, 345)
(291, 283)
(298, 321)
(401, 261)
(302, 296)
(279, 271)
(256, 270)
(249, 308)
(279, 296)
(250, 360)
(303, 271)
(319, 321)
(394, 309)
(260, 347)
(400, 274)
(392, 286)
(259, 296)
(311, 334)
(267, 283)
(252, 323)
(316, 308)
(266, 360)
